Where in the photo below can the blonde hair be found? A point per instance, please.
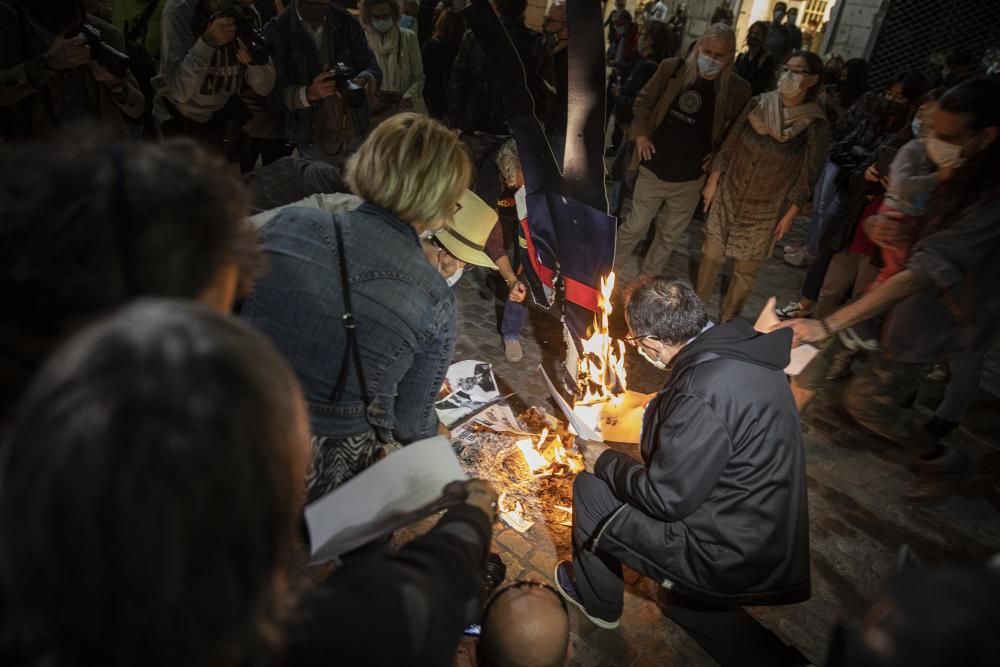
(726, 33)
(508, 162)
(414, 167)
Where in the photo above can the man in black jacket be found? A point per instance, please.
(716, 512)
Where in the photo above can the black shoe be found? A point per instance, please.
(563, 576)
(938, 478)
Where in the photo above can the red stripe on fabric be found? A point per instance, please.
(581, 294)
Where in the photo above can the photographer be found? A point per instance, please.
(51, 74)
(327, 111)
(205, 58)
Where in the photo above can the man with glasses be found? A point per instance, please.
(716, 510)
(525, 624)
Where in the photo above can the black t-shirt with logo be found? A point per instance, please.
(684, 137)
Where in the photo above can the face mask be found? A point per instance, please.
(790, 84)
(708, 66)
(916, 126)
(454, 278)
(408, 22)
(944, 154)
(383, 25)
(778, 15)
(655, 362)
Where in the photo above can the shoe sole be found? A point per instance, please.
(605, 625)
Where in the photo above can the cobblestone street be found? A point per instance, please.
(858, 520)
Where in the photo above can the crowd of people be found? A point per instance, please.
(229, 232)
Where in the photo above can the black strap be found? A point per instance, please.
(352, 349)
(137, 32)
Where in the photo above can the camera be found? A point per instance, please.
(248, 33)
(103, 53)
(494, 572)
(352, 93)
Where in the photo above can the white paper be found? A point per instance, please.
(390, 494)
(576, 423)
(516, 521)
(499, 418)
(801, 355)
(471, 385)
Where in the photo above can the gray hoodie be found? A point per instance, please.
(196, 78)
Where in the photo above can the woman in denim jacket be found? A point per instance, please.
(411, 173)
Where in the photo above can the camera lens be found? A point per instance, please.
(494, 572)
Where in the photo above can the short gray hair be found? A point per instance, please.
(668, 310)
(508, 162)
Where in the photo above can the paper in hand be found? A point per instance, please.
(398, 490)
(580, 426)
(801, 355)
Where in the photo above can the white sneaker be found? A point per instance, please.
(512, 351)
(793, 311)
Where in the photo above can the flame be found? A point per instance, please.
(550, 458)
(535, 461)
(601, 370)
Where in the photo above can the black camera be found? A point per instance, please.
(494, 572)
(248, 33)
(352, 93)
(103, 53)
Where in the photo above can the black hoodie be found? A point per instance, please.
(718, 511)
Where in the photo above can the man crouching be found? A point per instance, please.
(716, 512)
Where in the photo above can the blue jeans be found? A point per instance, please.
(822, 256)
(823, 197)
(514, 315)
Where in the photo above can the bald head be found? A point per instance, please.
(526, 627)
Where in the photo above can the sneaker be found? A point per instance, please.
(938, 478)
(854, 339)
(793, 248)
(802, 258)
(793, 311)
(563, 576)
(512, 351)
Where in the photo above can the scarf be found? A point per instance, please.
(771, 117)
(387, 52)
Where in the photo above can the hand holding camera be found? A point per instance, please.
(220, 31)
(67, 52)
(323, 86)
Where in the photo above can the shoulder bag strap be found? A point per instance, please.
(137, 32)
(352, 348)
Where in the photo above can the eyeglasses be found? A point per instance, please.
(635, 340)
(785, 69)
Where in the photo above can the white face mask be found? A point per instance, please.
(708, 66)
(383, 25)
(656, 362)
(454, 278)
(944, 154)
(790, 84)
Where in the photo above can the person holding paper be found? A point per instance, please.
(716, 511)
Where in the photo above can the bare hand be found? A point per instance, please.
(591, 451)
(482, 495)
(242, 53)
(67, 53)
(518, 292)
(220, 31)
(887, 230)
(806, 331)
(365, 82)
(783, 226)
(871, 174)
(102, 74)
(708, 193)
(706, 164)
(323, 86)
(645, 147)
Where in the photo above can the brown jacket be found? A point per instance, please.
(655, 98)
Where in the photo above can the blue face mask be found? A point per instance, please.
(408, 22)
(915, 126)
(708, 67)
(383, 25)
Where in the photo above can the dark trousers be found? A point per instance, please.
(729, 634)
(268, 150)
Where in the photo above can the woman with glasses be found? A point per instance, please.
(371, 352)
(762, 177)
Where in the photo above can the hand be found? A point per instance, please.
(323, 86)
(886, 230)
(806, 331)
(242, 53)
(67, 53)
(591, 451)
(220, 31)
(102, 74)
(614, 90)
(706, 164)
(481, 495)
(871, 174)
(518, 292)
(645, 147)
(365, 82)
(783, 226)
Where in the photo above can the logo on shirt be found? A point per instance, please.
(690, 102)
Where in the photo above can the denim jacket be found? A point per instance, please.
(404, 310)
(297, 62)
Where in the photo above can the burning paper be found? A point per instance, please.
(601, 370)
(469, 386)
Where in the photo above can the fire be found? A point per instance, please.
(548, 456)
(601, 370)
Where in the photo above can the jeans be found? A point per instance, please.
(823, 197)
(961, 389)
(817, 270)
(514, 315)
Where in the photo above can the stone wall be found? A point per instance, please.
(851, 27)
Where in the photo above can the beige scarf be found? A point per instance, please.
(771, 117)
(387, 48)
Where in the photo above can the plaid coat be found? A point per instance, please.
(760, 179)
